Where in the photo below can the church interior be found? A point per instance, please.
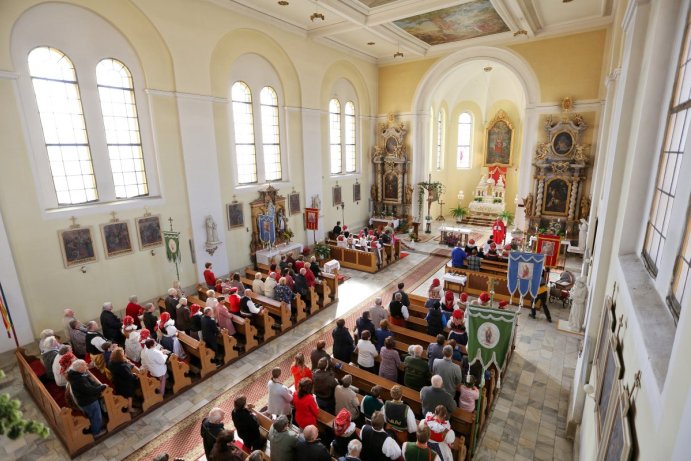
(159, 145)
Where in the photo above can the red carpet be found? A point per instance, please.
(183, 439)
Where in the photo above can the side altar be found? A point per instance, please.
(392, 193)
(270, 232)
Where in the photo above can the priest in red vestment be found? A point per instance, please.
(499, 231)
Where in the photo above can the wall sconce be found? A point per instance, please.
(589, 390)
(83, 269)
(153, 253)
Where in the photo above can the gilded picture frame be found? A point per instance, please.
(563, 143)
(557, 197)
(77, 246)
(149, 231)
(117, 240)
(499, 137)
(616, 440)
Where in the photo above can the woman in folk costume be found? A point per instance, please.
(169, 336)
(484, 299)
(133, 349)
(225, 318)
(195, 320)
(449, 301)
(434, 290)
(441, 436)
(344, 432)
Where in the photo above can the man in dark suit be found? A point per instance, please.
(112, 325)
(210, 330)
(172, 303)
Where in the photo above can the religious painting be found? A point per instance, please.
(294, 203)
(616, 441)
(557, 193)
(525, 271)
(116, 238)
(311, 218)
(336, 195)
(499, 141)
(549, 245)
(356, 192)
(472, 19)
(608, 372)
(236, 216)
(149, 231)
(267, 229)
(77, 246)
(391, 187)
(562, 144)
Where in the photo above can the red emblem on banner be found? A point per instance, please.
(311, 218)
(549, 245)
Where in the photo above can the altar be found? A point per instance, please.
(459, 234)
(273, 255)
(390, 222)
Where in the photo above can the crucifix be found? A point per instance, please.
(430, 187)
(113, 218)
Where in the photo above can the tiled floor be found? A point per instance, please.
(528, 420)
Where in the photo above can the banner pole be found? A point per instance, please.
(9, 316)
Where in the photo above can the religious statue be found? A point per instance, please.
(578, 295)
(212, 240)
(281, 221)
(408, 194)
(528, 205)
(316, 202)
(585, 207)
(582, 233)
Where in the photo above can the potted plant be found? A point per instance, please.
(507, 216)
(459, 213)
(322, 250)
(287, 235)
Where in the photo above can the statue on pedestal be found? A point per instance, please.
(579, 294)
(582, 233)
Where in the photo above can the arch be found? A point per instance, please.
(227, 51)
(347, 71)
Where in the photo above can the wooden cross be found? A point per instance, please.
(170, 220)
(113, 219)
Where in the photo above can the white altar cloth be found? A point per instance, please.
(265, 256)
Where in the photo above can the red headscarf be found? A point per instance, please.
(484, 297)
(143, 336)
(471, 242)
(128, 321)
(503, 304)
(341, 422)
(464, 297)
(436, 283)
(165, 316)
(458, 314)
(507, 246)
(194, 308)
(448, 298)
(65, 362)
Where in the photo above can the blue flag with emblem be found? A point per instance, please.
(525, 273)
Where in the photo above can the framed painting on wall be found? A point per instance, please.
(356, 192)
(557, 194)
(236, 218)
(499, 140)
(149, 231)
(616, 440)
(336, 194)
(609, 371)
(116, 238)
(77, 246)
(294, 203)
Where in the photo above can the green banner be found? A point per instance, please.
(172, 240)
(490, 334)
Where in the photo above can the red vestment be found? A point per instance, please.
(499, 231)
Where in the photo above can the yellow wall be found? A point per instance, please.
(566, 66)
(397, 85)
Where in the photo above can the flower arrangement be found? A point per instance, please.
(322, 250)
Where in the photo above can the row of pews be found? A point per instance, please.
(491, 276)
(71, 426)
(364, 260)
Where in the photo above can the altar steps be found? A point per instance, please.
(480, 220)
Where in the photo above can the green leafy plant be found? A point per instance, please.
(477, 199)
(507, 216)
(288, 234)
(12, 424)
(459, 213)
(496, 200)
(322, 250)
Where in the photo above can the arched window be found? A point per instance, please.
(243, 124)
(271, 134)
(121, 122)
(335, 136)
(64, 130)
(465, 130)
(350, 137)
(440, 137)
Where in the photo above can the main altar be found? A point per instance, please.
(392, 193)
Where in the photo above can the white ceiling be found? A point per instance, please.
(350, 24)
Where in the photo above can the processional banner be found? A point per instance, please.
(525, 273)
(312, 218)
(549, 245)
(172, 241)
(490, 334)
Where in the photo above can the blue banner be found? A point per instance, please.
(525, 272)
(267, 229)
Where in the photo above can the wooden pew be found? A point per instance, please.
(355, 259)
(150, 389)
(330, 280)
(70, 428)
(180, 372)
(116, 406)
(243, 327)
(229, 345)
(298, 302)
(277, 309)
(199, 350)
(411, 336)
